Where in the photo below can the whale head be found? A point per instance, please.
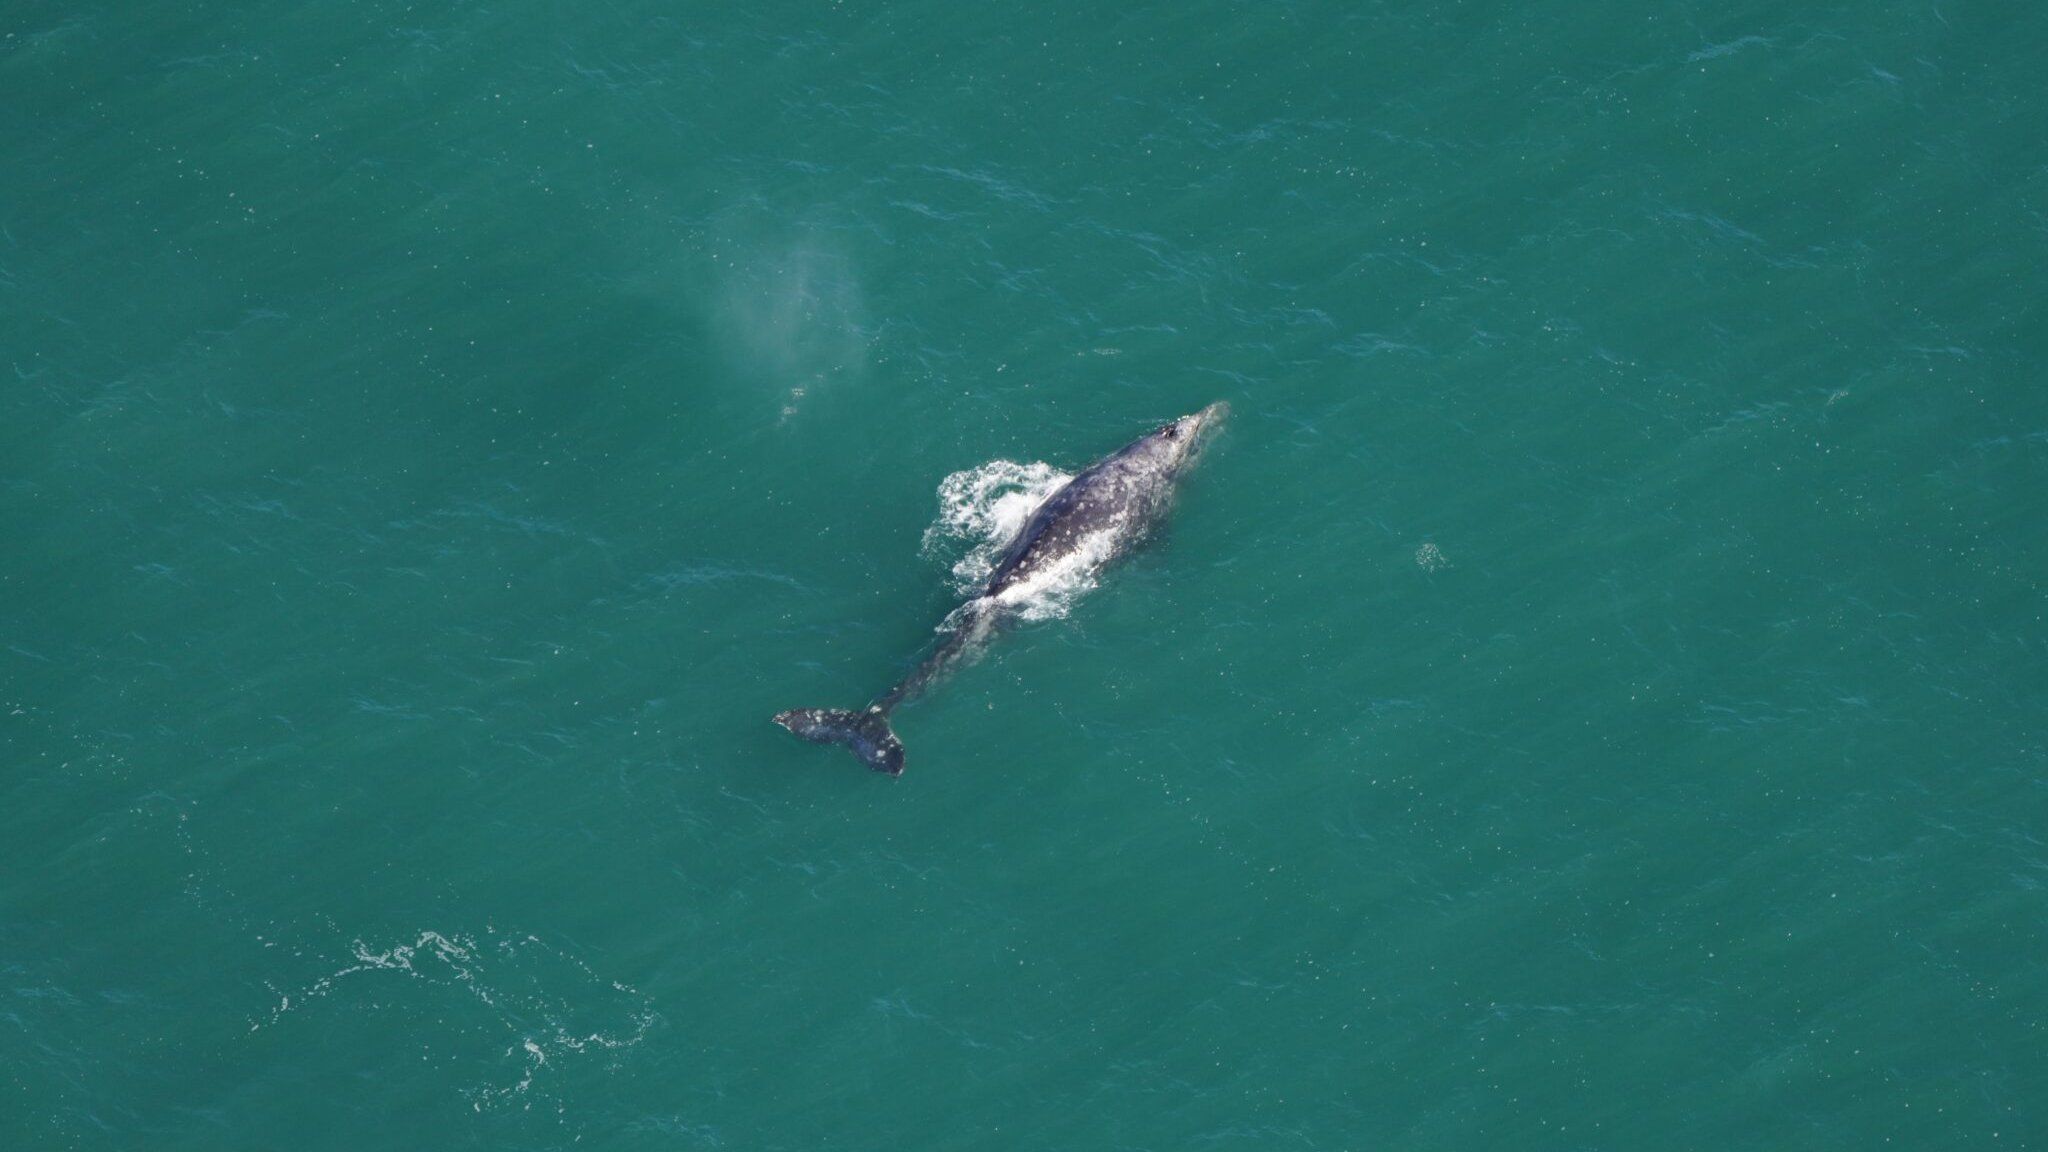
(1176, 444)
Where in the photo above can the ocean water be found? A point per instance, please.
(1594, 695)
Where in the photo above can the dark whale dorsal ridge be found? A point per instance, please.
(1092, 519)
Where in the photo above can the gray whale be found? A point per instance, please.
(1094, 518)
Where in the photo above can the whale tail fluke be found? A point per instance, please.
(866, 734)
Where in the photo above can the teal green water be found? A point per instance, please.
(1593, 696)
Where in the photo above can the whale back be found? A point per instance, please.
(1110, 505)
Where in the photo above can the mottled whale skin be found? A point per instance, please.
(1094, 518)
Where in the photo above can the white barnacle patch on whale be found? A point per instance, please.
(1051, 589)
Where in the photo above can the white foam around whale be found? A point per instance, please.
(981, 509)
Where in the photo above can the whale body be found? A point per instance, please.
(1096, 517)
